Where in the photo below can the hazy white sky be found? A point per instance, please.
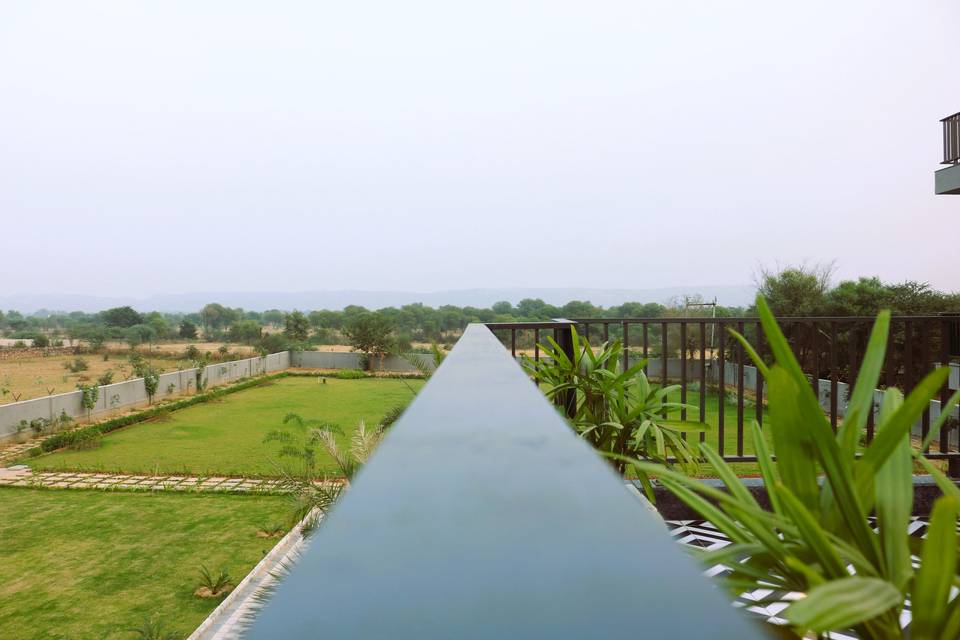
(169, 146)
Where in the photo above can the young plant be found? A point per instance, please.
(153, 628)
(212, 586)
(310, 496)
(89, 398)
(817, 538)
(618, 412)
(271, 530)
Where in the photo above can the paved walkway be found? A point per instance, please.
(22, 476)
(11, 453)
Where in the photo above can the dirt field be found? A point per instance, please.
(37, 376)
(177, 349)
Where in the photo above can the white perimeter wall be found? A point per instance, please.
(122, 395)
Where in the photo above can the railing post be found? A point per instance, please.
(567, 399)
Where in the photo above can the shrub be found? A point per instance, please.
(617, 411)
(105, 378)
(390, 417)
(212, 586)
(351, 374)
(76, 366)
(41, 340)
(90, 395)
(87, 439)
(818, 538)
(154, 629)
(151, 379)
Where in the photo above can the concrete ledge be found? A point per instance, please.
(947, 181)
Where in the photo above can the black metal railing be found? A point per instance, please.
(482, 515)
(951, 139)
(714, 373)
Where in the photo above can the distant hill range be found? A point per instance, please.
(335, 300)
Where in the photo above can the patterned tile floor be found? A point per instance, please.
(700, 533)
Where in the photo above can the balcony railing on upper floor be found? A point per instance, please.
(951, 139)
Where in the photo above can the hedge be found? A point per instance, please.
(67, 438)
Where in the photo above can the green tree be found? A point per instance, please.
(121, 317)
(296, 326)
(216, 317)
(796, 291)
(245, 331)
(139, 334)
(188, 330)
(371, 334)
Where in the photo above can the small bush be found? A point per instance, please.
(87, 439)
(154, 629)
(351, 374)
(212, 586)
(106, 378)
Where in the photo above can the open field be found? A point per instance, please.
(225, 437)
(178, 349)
(91, 565)
(37, 376)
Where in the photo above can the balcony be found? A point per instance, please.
(947, 180)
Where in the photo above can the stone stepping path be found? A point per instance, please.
(8, 454)
(23, 476)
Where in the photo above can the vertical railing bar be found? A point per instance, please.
(871, 418)
(646, 349)
(834, 376)
(663, 354)
(759, 348)
(925, 366)
(907, 356)
(626, 346)
(513, 343)
(945, 389)
(586, 331)
(606, 332)
(721, 386)
(536, 344)
(683, 372)
(854, 338)
(740, 391)
(815, 358)
(703, 378)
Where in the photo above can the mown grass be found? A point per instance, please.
(730, 437)
(91, 565)
(226, 436)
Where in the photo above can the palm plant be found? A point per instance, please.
(153, 628)
(213, 585)
(617, 411)
(313, 496)
(817, 538)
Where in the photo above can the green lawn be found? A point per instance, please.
(712, 437)
(88, 564)
(225, 437)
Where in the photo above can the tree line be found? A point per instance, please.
(794, 291)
